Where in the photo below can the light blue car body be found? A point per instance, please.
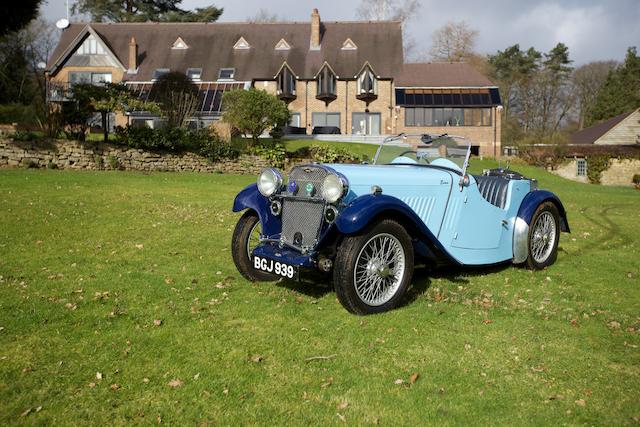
(471, 230)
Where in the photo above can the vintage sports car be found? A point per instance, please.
(370, 224)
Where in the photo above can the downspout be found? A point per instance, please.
(346, 106)
(306, 109)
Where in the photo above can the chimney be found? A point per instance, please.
(133, 56)
(315, 30)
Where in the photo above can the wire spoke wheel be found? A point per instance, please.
(380, 268)
(543, 237)
(254, 238)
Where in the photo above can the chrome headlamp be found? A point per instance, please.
(333, 187)
(269, 182)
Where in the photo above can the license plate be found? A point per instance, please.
(275, 267)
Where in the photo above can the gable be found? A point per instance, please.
(627, 132)
(92, 52)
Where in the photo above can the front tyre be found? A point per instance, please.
(373, 269)
(245, 239)
(544, 234)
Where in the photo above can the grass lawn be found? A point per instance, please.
(129, 275)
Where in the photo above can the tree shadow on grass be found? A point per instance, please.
(317, 285)
(424, 275)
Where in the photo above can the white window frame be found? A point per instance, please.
(581, 167)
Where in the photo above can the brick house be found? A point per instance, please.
(347, 77)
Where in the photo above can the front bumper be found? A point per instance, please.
(285, 255)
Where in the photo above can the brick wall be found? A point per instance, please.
(345, 103)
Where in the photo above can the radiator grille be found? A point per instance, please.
(303, 212)
(304, 217)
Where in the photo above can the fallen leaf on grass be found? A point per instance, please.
(115, 387)
(342, 417)
(414, 377)
(145, 380)
(169, 281)
(487, 321)
(342, 405)
(327, 383)
(98, 375)
(398, 381)
(157, 322)
(257, 358)
(581, 402)
(196, 376)
(614, 325)
(92, 385)
(25, 413)
(139, 246)
(175, 383)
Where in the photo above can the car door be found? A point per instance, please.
(471, 222)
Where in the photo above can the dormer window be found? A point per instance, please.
(326, 84)
(159, 72)
(226, 73)
(349, 45)
(286, 84)
(242, 44)
(367, 85)
(179, 44)
(283, 45)
(194, 73)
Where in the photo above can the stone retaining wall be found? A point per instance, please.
(95, 156)
(620, 171)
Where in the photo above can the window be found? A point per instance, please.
(179, 44)
(349, 45)
(365, 124)
(282, 45)
(159, 72)
(581, 167)
(421, 116)
(325, 119)
(90, 47)
(88, 77)
(367, 83)
(241, 44)
(194, 73)
(326, 82)
(294, 121)
(286, 82)
(226, 73)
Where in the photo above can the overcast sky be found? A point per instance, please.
(593, 29)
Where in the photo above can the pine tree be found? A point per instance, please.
(144, 10)
(620, 92)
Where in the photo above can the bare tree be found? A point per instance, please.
(587, 80)
(391, 10)
(454, 42)
(263, 15)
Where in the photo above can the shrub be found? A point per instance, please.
(215, 149)
(636, 179)
(170, 139)
(329, 154)
(52, 165)
(24, 115)
(27, 136)
(276, 154)
(114, 162)
(28, 164)
(99, 161)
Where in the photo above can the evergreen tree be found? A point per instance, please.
(144, 10)
(620, 92)
(15, 15)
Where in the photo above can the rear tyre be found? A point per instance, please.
(373, 269)
(245, 239)
(544, 234)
